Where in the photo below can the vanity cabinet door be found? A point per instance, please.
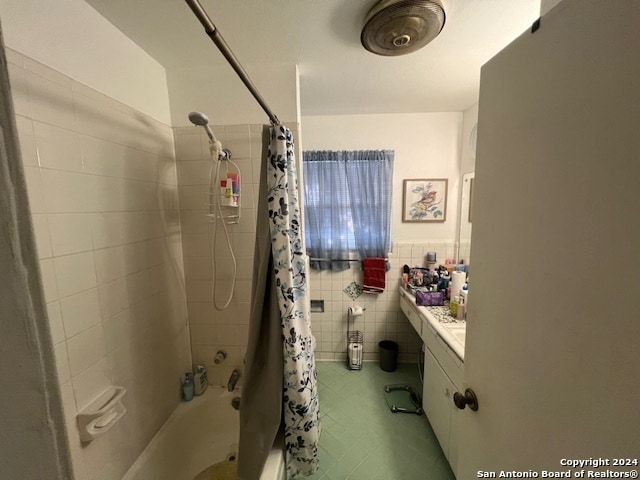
(454, 430)
(437, 401)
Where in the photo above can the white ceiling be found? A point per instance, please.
(337, 75)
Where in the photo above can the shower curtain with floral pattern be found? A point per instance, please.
(300, 393)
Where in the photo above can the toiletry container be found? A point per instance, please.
(443, 285)
(200, 381)
(461, 310)
(187, 387)
(228, 193)
(463, 292)
(453, 305)
(464, 295)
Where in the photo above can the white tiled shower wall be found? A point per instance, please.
(382, 319)
(102, 187)
(213, 330)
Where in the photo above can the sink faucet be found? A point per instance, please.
(233, 379)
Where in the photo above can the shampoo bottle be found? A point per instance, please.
(187, 387)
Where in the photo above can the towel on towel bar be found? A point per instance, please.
(374, 275)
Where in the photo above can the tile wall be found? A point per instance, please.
(382, 319)
(213, 330)
(103, 193)
(465, 252)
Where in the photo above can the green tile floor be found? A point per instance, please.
(362, 439)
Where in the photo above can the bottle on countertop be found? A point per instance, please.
(453, 306)
(464, 296)
(464, 291)
(461, 310)
(187, 387)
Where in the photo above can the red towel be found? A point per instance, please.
(374, 275)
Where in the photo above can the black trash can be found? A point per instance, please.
(388, 355)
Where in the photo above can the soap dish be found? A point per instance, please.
(101, 414)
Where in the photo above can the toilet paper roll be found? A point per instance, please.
(357, 310)
(355, 353)
(457, 282)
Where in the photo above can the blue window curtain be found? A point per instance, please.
(347, 198)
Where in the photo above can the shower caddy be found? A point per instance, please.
(224, 200)
(355, 345)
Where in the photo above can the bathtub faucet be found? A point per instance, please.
(233, 379)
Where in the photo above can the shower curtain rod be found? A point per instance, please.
(211, 30)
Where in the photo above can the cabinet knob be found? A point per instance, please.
(469, 398)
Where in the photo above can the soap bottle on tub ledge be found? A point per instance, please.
(200, 381)
(187, 387)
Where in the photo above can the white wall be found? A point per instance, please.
(31, 418)
(426, 145)
(219, 93)
(467, 155)
(103, 197)
(72, 38)
(102, 185)
(103, 194)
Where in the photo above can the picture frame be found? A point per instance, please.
(424, 200)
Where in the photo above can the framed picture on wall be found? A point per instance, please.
(424, 200)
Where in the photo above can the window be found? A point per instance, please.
(347, 205)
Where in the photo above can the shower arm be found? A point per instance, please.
(211, 30)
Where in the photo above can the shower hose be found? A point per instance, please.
(218, 155)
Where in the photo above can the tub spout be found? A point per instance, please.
(233, 379)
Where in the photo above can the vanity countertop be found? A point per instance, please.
(440, 323)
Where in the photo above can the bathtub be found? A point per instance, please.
(198, 434)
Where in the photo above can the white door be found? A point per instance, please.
(437, 390)
(553, 334)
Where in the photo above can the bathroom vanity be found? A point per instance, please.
(443, 338)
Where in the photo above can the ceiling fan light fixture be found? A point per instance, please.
(399, 27)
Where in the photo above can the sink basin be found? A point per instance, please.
(459, 334)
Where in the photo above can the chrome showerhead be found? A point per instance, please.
(201, 120)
